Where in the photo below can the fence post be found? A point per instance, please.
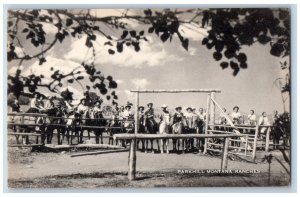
(132, 160)
(246, 145)
(213, 109)
(255, 142)
(207, 122)
(225, 154)
(133, 144)
(267, 139)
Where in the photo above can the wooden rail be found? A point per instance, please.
(65, 118)
(134, 137)
(178, 91)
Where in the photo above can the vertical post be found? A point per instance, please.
(213, 109)
(246, 144)
(207, 121)
(136, 123)
(225, 154)
(255, 142)
(132, 160)
(267, 139)
(132, 152)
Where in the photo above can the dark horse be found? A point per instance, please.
(97, 120)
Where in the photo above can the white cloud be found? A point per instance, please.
(193, 31)
(151, 54)
(140, 83)
(129, 95)
(64, 67)
(119, 81)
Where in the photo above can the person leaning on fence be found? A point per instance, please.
(128, 117)
(252, 118)
(34, 104)
(81, 107)
(41, 103)
(69, 107)
(15, 106)
(235, 115)
(263, 121)
(49, 105)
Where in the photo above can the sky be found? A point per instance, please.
(168, 66)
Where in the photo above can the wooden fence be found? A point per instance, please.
(134, 137)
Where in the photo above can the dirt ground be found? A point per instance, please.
(58, 170)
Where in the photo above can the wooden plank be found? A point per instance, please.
(178, 91)
(24, 145)
(65, 146)
(24, 134)
(170, 136)
(99, 152)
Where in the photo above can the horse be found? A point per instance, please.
(113, 123)
(151, 127)
(97, 119)
(164, 128)
(61, 126)
(179, 128)
(73, 123)
(50, 120)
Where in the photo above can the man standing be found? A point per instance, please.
(235, 115)
(263, 120)
(34, 106)
(129, 117)
(49, 103)
(149, 123)
(252, 118)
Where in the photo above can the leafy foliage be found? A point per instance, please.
(231, 29)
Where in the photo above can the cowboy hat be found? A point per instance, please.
(164, 106)
(141, 107)
(178, 108)
(127, 106)
(236, 107)
(189, 108)
(149, 104)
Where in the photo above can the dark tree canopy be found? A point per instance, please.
(228, 31)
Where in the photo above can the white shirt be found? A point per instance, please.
(263, 121)
(251, 119)
(34, 103)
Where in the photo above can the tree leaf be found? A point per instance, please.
(69, 22)
(185, 44)
(111, 52)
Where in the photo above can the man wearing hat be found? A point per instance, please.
(97, 107)
(235, 115)
(149, 123)
(129, 116)
(177, 126)
(141, 119)
(81, 106)
(164, 127)
(164, 119)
